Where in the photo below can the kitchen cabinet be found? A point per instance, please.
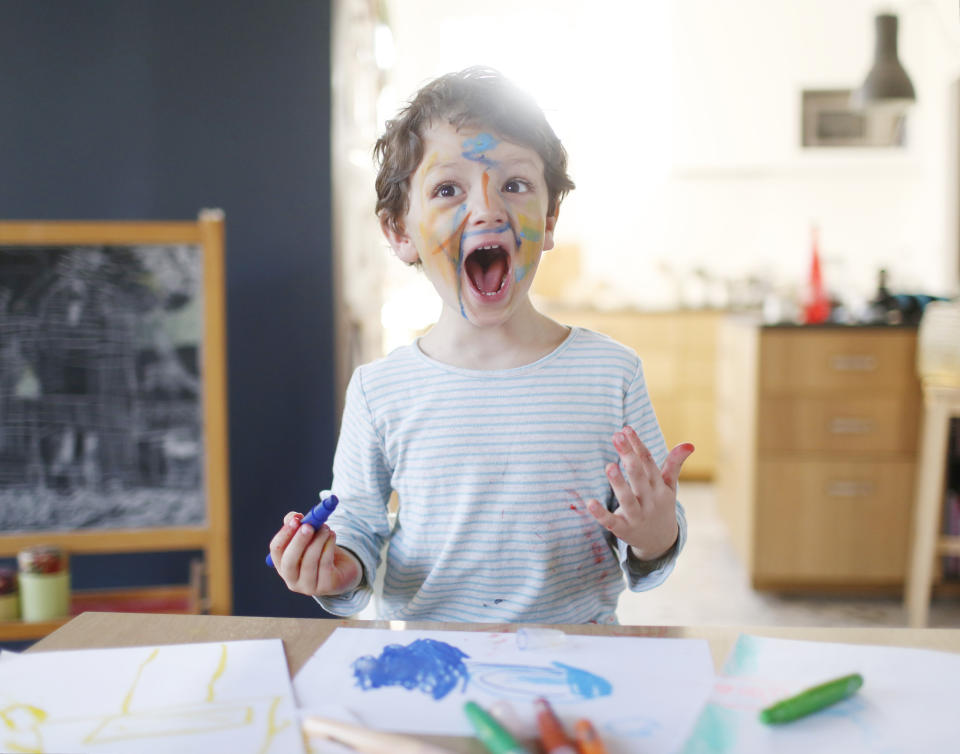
(678, 352)
(817, 437)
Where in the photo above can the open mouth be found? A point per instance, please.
(487, 268)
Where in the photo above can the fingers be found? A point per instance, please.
(643, 454)
(673, 463)
(624, 491)
(309, 576)
(288, 565)
(280, 540)
(605, 518)
(327, 553)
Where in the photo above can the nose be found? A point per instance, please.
(487, 206)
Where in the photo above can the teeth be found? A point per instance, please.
(494, 293)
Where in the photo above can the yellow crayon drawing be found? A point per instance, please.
(21, 728)
(23, 725)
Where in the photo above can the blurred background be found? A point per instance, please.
(737, 219)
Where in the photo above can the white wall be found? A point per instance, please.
(683, 124)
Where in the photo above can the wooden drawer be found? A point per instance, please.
(690, 420)
(865, 361)
(838, 424)
(832, 522)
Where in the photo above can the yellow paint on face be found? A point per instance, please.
(427, 163)
(531, 228)
(442, 245)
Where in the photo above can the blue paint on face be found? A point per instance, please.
(432, 667)
(475, 149)
(484, 231)
(457, 219)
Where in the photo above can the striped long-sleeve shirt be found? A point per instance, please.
(493, 470)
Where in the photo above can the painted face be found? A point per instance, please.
(477, 221)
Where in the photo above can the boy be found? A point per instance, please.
(495, 427)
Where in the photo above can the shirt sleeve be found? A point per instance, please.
(361, 480)
(639, 414)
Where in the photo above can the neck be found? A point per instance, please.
(523, 339)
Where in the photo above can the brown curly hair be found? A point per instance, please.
(477, 97)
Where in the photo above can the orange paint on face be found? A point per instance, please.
(449, 246)
(486, 183)
(445, 244)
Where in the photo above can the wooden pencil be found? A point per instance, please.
(366, 740)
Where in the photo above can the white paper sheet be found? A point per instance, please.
(642, 694)
(228, 696)
(908, 702)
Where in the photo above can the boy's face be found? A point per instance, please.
(477, 221)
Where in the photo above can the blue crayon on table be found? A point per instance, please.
(316, 516)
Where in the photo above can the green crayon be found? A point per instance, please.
(811, 700)
(492, 735)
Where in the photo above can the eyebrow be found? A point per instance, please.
(519, 162)
(508, 163)
(428, 169)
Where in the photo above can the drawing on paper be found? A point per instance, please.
(100, 398)
(436, 668)
(433, 667)
(638, 692)
(151, 712)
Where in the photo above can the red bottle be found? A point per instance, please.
(816, 307)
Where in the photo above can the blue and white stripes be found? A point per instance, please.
(493, 470)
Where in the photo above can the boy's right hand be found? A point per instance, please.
(313, 565)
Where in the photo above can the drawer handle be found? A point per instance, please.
(850, 425)
(849, 488)
(853, 363)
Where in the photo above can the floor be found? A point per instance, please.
(709, 586)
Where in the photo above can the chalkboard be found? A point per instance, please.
(113, 432)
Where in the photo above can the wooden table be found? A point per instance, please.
(302, 636)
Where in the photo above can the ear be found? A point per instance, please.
(400, 242)
(548, 231)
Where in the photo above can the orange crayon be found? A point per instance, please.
(552, 735)
(587, 739)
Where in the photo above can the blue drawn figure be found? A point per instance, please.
(584, 684)
(433, 667)
(560, 683)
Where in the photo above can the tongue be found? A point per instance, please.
(488, 278)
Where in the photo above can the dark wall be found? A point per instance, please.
(140, 109)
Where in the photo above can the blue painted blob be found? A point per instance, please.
(433, 667)
(585, 684)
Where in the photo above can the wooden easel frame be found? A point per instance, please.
(213, 537)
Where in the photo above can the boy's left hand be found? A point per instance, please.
(646, 519)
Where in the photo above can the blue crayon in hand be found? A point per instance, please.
(316, 517)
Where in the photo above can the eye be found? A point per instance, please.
(516, 186)
(446, 191)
